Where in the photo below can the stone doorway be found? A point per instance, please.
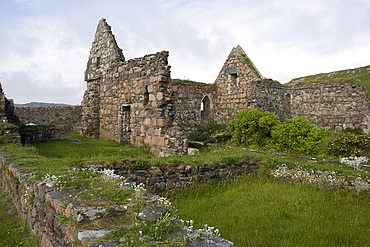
(124, 124)
(206, 110)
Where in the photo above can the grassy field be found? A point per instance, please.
(360, 75)
(254, 211)
(257, 211)
(13, 232)
(59, 156)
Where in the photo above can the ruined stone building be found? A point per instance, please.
(136, 102)
(7, 113)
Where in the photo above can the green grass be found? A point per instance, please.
(257, 211)
(188, 82)
(13, 232)
(358, 75)
(59, 156)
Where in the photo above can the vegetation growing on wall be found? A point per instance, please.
(359, 75)
(250, 65)
(188, 82)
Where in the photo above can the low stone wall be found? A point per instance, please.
(40, 133)
(66, 118)
(39, 205)
(158, 180)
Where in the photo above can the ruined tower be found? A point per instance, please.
(129, 101)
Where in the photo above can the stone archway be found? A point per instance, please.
(206, 110)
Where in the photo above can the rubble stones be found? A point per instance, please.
(152, 213)
(212, 241)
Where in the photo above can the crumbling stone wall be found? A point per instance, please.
(64, 118)
(136, 102)
(6, 108)
(239, 85)
(333, 106)
(193, 104)
(129, 101)
(235, 86)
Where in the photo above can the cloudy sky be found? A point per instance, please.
(44, 44)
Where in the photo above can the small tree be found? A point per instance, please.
(297, 135)
(252, 127)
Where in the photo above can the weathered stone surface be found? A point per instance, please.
(127, 101)
(193, 151)
(107, 244)
(152, 213)
(213, 241)
(64, 118)
(87, 235)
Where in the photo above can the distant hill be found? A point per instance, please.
(360, 75)
(39, 104)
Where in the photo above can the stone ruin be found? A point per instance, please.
(136, 102)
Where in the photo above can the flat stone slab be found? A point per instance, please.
(152, 213)
(106, 244)
(212, 241)
(86, 235)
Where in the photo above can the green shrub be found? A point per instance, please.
(297, 135)
(349, 144)
(221, 135)
(252, 127)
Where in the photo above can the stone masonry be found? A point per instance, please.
(129, 101)
(136, 102)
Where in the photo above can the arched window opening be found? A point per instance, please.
(205, 109)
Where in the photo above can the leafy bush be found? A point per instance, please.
(297, 135)
(349, 144)
(221, 135)
(253, 127)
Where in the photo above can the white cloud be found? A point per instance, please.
(45, 44)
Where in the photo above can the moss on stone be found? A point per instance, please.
(250, 65)
(188, 82)
(358, 75)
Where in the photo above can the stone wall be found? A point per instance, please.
(193, 104)
(333, 106)
(38, 203)
(65, 118)
(6, 108)
(161, 180)
(130, 101)
(271, 96)
(235, 86)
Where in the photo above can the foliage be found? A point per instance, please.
(273, 214)
(188, 82)
(297, 135)
(349, 144)
(62, 217)
(252, 127)
(13, 231)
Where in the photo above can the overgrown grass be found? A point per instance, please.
(360, 75)
(59, 156)
(257, 211)
(13, 232)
